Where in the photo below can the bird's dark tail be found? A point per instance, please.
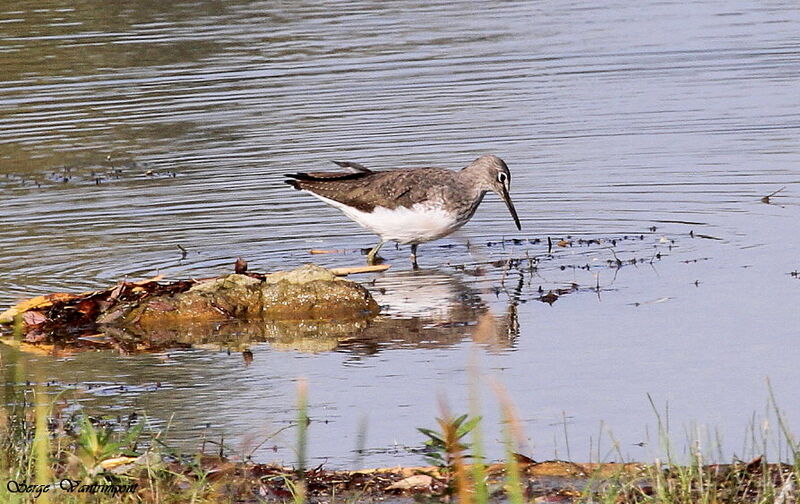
(301, 179)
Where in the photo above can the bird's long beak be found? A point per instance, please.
(510, 205)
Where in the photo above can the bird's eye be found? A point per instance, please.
(501, 177)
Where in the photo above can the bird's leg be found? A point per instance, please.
(414, 255)
(374, 252)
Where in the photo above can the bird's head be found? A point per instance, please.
(492, 174)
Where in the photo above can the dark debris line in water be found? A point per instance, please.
(85, 175)
(529, 265)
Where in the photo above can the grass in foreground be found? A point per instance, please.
(49, 455)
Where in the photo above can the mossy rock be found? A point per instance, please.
(309, 292)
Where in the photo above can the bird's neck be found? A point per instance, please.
(474, 182)
(469, 211)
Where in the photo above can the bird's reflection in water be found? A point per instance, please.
(420, 309)
(429, 309)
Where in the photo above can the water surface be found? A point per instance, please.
(129, 129)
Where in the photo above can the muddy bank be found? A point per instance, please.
(540, 482)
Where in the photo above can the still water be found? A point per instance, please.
(130, 129)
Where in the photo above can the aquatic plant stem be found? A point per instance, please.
(41, 442)
(302, 440)
(478, 465)
(511, 430)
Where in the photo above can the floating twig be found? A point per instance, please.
(766, 198)
(616, 259)
(351, 270)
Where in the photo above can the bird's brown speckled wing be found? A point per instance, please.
(390, 189)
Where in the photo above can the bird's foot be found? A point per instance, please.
(373, 260)
(372, 256)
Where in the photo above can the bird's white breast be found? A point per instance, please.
(420, 223)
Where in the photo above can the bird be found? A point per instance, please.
(409, 206)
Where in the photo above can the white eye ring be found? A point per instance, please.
(501, 177)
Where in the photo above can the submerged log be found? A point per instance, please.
(306, 293)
